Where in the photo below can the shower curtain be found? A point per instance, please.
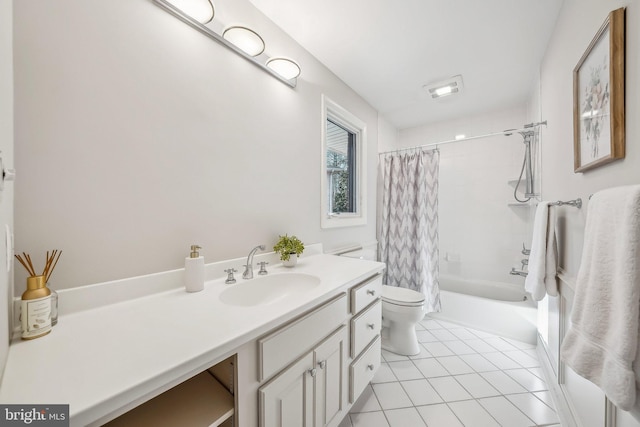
(408, 234)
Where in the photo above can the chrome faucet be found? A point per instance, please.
(248, 268)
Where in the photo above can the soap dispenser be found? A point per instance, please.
(194, 270)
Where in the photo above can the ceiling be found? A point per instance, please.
(388, 50)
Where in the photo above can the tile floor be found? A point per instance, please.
(462, 377)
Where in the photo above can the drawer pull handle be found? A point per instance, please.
(371, 325)
(371, 292)
(312, 372)
(370, 367)
(322, 364)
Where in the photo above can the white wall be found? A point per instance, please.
(137, 136)
(476, 224)
(577, 25)
(6, 146)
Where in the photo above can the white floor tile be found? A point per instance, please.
(406, 370)
(384, 374)
(526, 379)
(419, 327)
(477, 386)
(437, 349)
(520, 344)
(449, 389)
(531, 352)
(472, 414)
(439, 416)
(545, 396)
(499, 344)
(480, 346)
(404, 418)
(443, 335)
(501, 361)
(369, 419)
(505, 413)
(538, 372)
(478, 363)
(421, 392)
(367, 402)
(391, 396)
(449, 325)
(533, 408)
(431, 324)
(523, 358)
(459, 347)
(455, 365)
(423, 353)
(481, 334)
(346, 422)
(426, 336)
(392, 357)
(431, 368)
(502, 382)
(463, 334)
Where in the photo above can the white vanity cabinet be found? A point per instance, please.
(309, 392)
(321, 358)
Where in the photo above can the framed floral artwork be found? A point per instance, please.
(598, 97)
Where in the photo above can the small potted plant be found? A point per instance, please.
(288, 246)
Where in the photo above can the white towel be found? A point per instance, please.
(601, 344)
(543, 259)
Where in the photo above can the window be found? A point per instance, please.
(343, 169)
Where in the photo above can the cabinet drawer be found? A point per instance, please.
(363, 369)
(365, 327)
(365, 293)
(278, 349)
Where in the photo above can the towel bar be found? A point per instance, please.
(577, 203)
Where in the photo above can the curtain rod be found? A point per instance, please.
(526, 128)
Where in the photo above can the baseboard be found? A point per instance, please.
(563, 408)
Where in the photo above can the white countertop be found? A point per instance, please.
(100, 360)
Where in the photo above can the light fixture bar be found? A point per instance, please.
(215, 36)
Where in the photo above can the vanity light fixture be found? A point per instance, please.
(200, 10)
(285, 67)
(444, 88)
(243, 41)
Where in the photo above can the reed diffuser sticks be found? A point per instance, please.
(49, 266)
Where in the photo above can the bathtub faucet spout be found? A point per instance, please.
(515, 272)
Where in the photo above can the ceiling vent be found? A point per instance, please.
(445, 87)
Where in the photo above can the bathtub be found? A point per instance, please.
(498, 308)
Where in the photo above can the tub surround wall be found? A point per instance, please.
(578, 22)
(137, 136)
(480, 235)
(6, 146)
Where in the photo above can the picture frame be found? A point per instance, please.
(598, 97)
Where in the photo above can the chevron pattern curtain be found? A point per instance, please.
(409, 229)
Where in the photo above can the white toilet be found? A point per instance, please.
(401, 310)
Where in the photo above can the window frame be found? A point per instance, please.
(343, 118)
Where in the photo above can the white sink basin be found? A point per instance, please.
(263, 290)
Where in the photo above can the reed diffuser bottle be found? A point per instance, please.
(39, 307)
(36, 309)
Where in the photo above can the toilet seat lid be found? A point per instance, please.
(402, 296)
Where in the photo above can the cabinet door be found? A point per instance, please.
(331, 379)
(287, 400)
